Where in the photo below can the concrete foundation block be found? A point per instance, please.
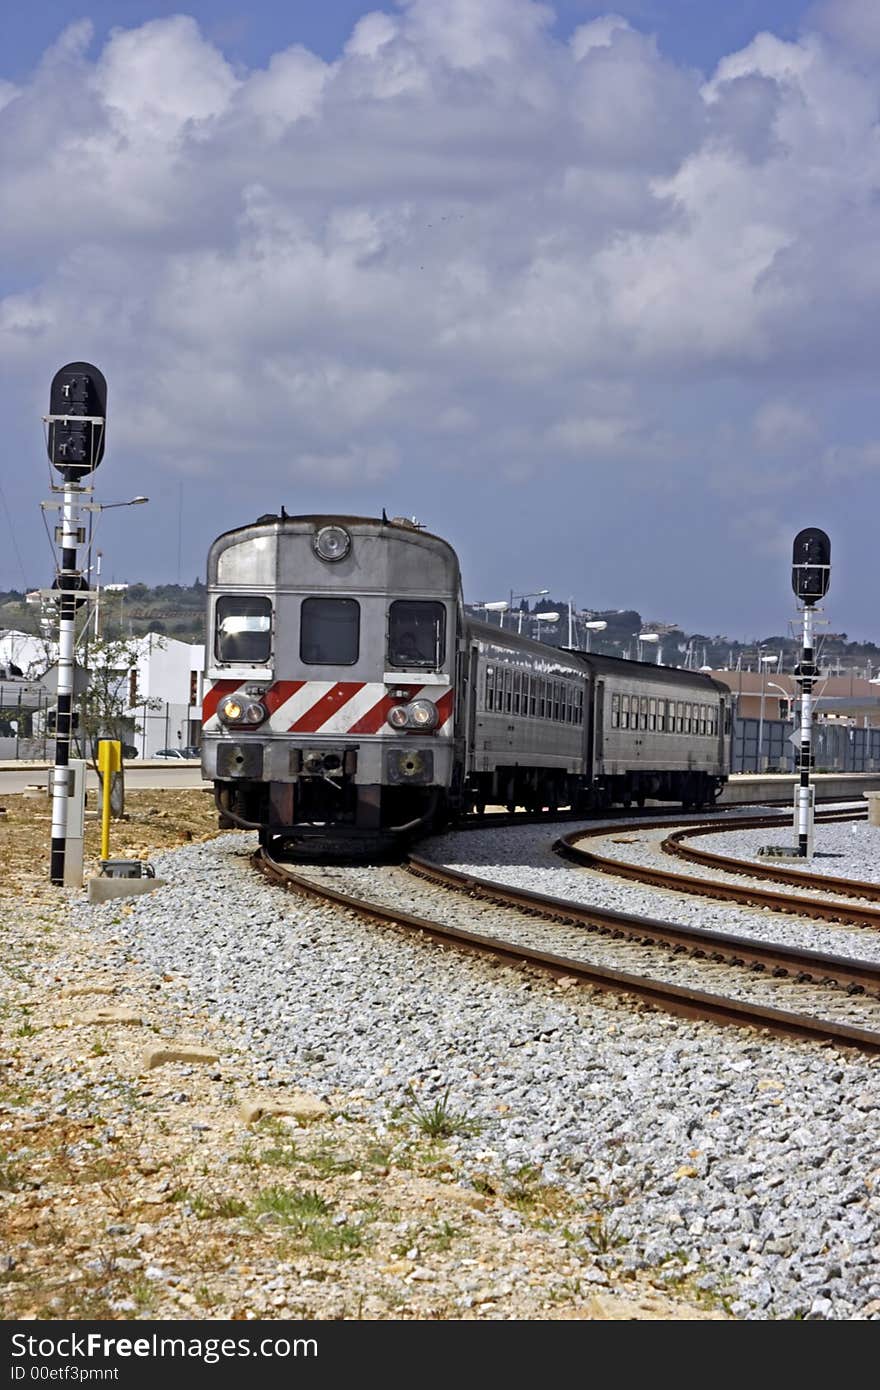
(873, 800)
(102, 889)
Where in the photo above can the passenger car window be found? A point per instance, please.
(416, 633)
(329, 633)
(243, 628)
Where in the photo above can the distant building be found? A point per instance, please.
(167, 675)
(848, 697)
(32, 655)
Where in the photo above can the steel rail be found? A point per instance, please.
(817, 908)
(682, 1001)
(849, 887)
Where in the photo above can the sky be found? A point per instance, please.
(592, 293)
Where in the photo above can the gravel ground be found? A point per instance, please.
(841, 849)
(741, 1166)
(158, 1159)
(526, 860)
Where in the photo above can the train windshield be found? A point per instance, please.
(416, 633)
(243, 628)
(329, 633)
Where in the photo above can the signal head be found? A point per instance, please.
(76, 420)
(811, 565)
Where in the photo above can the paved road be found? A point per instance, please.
(150, 776)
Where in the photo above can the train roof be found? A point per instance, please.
(595, 661)
(670, 675)
(515, 641)
(284, 518)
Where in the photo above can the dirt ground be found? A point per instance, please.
(198, 1187)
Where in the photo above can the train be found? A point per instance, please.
(352, 702)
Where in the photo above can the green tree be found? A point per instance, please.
(111, 703)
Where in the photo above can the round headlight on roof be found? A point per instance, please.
(332, 543)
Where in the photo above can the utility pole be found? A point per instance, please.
(75, 444)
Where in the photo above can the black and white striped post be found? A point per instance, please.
(75, 442)
(810, 577)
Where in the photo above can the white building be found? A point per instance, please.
(31, 655)
(164, 694)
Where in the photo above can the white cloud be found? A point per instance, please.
(461, 228)
(847, 461)
(780, 427)
(853, 23)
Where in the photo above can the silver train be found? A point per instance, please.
(351, 701)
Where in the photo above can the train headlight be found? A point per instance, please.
(418, 714)
(332, 543)
(421, 714)
(239, 712)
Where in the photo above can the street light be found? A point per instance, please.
(763, 661)
(499, 606)
(535, 593)
(91, 508)
(771, 685)
(538, 618)
(650, 637)
(597, 625)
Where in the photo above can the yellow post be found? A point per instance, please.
(109, 761)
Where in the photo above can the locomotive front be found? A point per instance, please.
(331, 655)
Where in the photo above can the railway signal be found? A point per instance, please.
(76, 420)
(810, 577)
(75, 430)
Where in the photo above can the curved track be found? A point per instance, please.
(644, 939)
(853, 913)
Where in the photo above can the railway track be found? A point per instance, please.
(854, 913)
(790, 991)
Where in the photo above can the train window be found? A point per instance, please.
(517, 690)
(679, 717)
(329, 631)
(702, 719)
(661, 716)
(569, 706)
(580, 705)
(652, 714)
(416, 633)
(532, 696)
(507, 690)
(624, 711)
(615, 711)
(490, 687)
(243, 628)
(542, 698)
(643, 712)
(556, 699)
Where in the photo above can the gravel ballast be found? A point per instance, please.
(747, 1163)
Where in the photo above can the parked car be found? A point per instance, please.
(169, 753)
(192, 751)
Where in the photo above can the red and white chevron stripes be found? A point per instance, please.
(331, 707)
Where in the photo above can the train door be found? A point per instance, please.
(471, 664)
(598, 730)
(723, 734)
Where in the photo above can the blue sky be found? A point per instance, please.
(591, 291)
